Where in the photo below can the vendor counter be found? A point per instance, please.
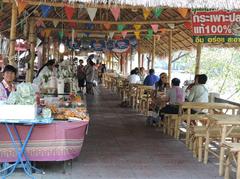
(58, 141)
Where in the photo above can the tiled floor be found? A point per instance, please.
(119, 145)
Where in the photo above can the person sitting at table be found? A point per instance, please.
(189, 88)
(175, 95)
(151, 79)
(199, 92)
(142, 74)
(7, 86)
(162, 83)
(133, 78)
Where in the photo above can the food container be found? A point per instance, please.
(18, 112)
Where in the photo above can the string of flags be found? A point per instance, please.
(115, 11)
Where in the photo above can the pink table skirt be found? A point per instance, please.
(58, 141)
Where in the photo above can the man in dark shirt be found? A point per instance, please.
(151, 79)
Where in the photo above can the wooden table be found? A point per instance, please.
(186, 107)
(227, 124)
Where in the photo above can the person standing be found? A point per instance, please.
(90, 75)
(81, 75)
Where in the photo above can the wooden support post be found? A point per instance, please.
(111, 57)
(11, 55)
(131, 59)
(126, 64)
(31, 39)
(121, 63)
(148, 62)
(153, 52)
(142, 61)
(198, 57)
(44, 51)
(170, 56)
(139, 54)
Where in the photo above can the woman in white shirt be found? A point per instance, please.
(199, 92)
(134, 78)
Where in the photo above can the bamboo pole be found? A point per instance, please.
(153, 52)
(149, 59)
(13, 35)
(198, 57)
(139, 54)
(130, 31)
(77, 5)
(111, 57)
(147, 22)
(44, 51)
(131, 59)
(170, 57)
(142, 62)
(126, 64)
(31, 39)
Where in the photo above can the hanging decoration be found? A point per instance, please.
(183, 12)
(137, 26)
(60, 34)
(149, 34)
(98, 45)
(120, 27)
(55, 23)
(73, 35)
(107, 26)
(146, 13)
(137, 34)
(47, 32)
(45, 10)
(110, 44)
(111, 34)
(69, 12)
(124, 33)
(40, 23)
(154, 27)
(90, 26)
(162, 30)
(158, 11)
(171, 26)
(188, 25)
(92, 13)
(73, 24)
(116, 12)
(21, 6)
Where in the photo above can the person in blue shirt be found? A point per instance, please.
(151, 79)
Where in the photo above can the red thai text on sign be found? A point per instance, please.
(213, 22)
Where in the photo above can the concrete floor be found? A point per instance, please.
(119, 145)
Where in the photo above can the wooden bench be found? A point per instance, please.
(199, 135)
(232, 149)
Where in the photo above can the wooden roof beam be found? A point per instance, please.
(113, 22)
(78, 4)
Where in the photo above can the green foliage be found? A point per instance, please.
(222, 68)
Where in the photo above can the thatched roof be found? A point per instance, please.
(130, 15)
